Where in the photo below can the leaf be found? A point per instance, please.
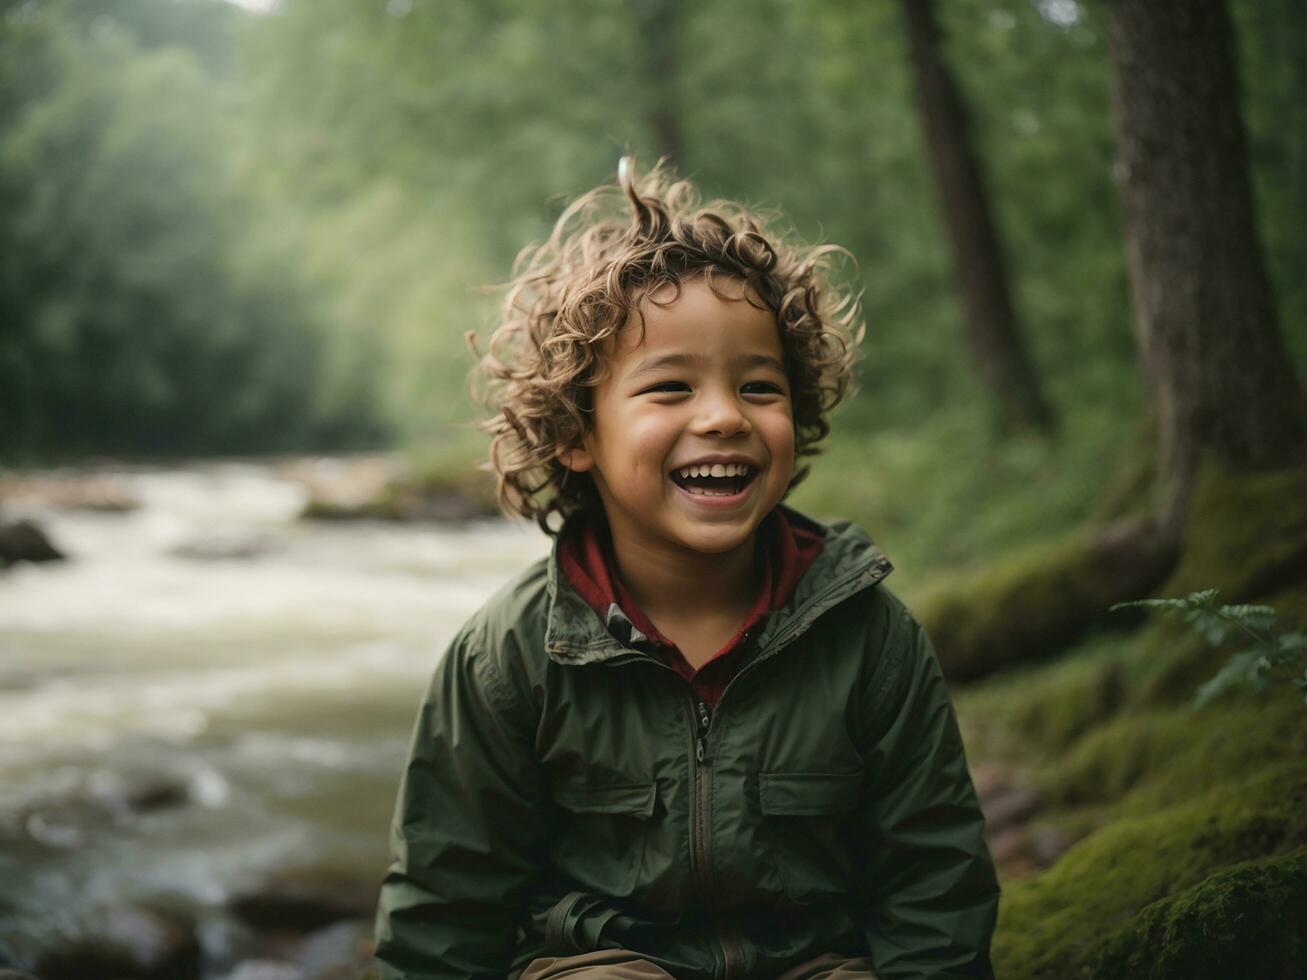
(1195, 600)
(1148, 604)
(1254, 617)
(1252, 668)
(1293, 642)
(1241, 670)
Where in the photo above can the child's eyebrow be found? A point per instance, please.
(660, 361)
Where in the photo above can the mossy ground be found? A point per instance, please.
(1193, 861)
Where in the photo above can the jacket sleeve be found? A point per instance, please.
(933, 895)
(466, 828)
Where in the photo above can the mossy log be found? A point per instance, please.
(1035, 603)
(1246, 535)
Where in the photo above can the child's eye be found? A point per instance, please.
(664, 387)
(762, 388)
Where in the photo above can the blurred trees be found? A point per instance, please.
(992, 330)
(1205, 314)
(274, 228)
(658, 23)
(142, 308)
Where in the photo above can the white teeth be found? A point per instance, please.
(714, 469)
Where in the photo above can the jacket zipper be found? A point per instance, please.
(703, 714)
(701, 718)
(729, 948)
(701, 721)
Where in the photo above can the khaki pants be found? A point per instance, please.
(618, 964)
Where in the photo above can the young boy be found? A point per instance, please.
(700, 740)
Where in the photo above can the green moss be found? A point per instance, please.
(1246, 921)
(1054, 925)
(1031, 711)
(1246, 534)
(1157, 757)
(1195, 859)
(1023, 606)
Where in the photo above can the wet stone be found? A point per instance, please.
(127, 943)
(136, 792)
(306, 900)
(25, 541)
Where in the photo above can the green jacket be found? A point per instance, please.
(566, 793)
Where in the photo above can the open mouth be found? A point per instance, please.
(715, 479)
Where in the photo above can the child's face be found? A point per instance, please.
(705, 386)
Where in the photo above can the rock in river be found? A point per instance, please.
(134, 942)
(306, 899)
(25, 541)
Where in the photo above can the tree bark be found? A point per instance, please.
(992, 332)
(1220, 381)
(659, 26)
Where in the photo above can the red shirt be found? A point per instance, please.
(586, 559)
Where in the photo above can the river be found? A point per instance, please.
(209, 689)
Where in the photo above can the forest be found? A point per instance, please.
(262, 231)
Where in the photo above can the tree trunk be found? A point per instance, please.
(992, 333)
(659, 23)
(1221, 384)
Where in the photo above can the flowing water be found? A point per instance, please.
(210, 690)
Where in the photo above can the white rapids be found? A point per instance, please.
(266, 669)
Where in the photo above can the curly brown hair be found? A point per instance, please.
(609, 251)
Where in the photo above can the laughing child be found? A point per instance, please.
(701, 739)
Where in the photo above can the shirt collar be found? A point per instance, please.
(849, 562)
(585, 558)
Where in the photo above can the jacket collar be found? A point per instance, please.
(849, 562)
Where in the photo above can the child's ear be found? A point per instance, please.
(578, 459)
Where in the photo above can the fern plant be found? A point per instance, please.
(1265, 655)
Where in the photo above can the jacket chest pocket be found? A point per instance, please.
(603, 832)
(809, 824)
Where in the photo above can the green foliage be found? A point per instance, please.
(1270, 656)
(147, 306)
(471, 118)
(310, 200)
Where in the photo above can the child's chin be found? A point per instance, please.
(720, 539)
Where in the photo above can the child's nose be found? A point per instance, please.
(721, 415)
